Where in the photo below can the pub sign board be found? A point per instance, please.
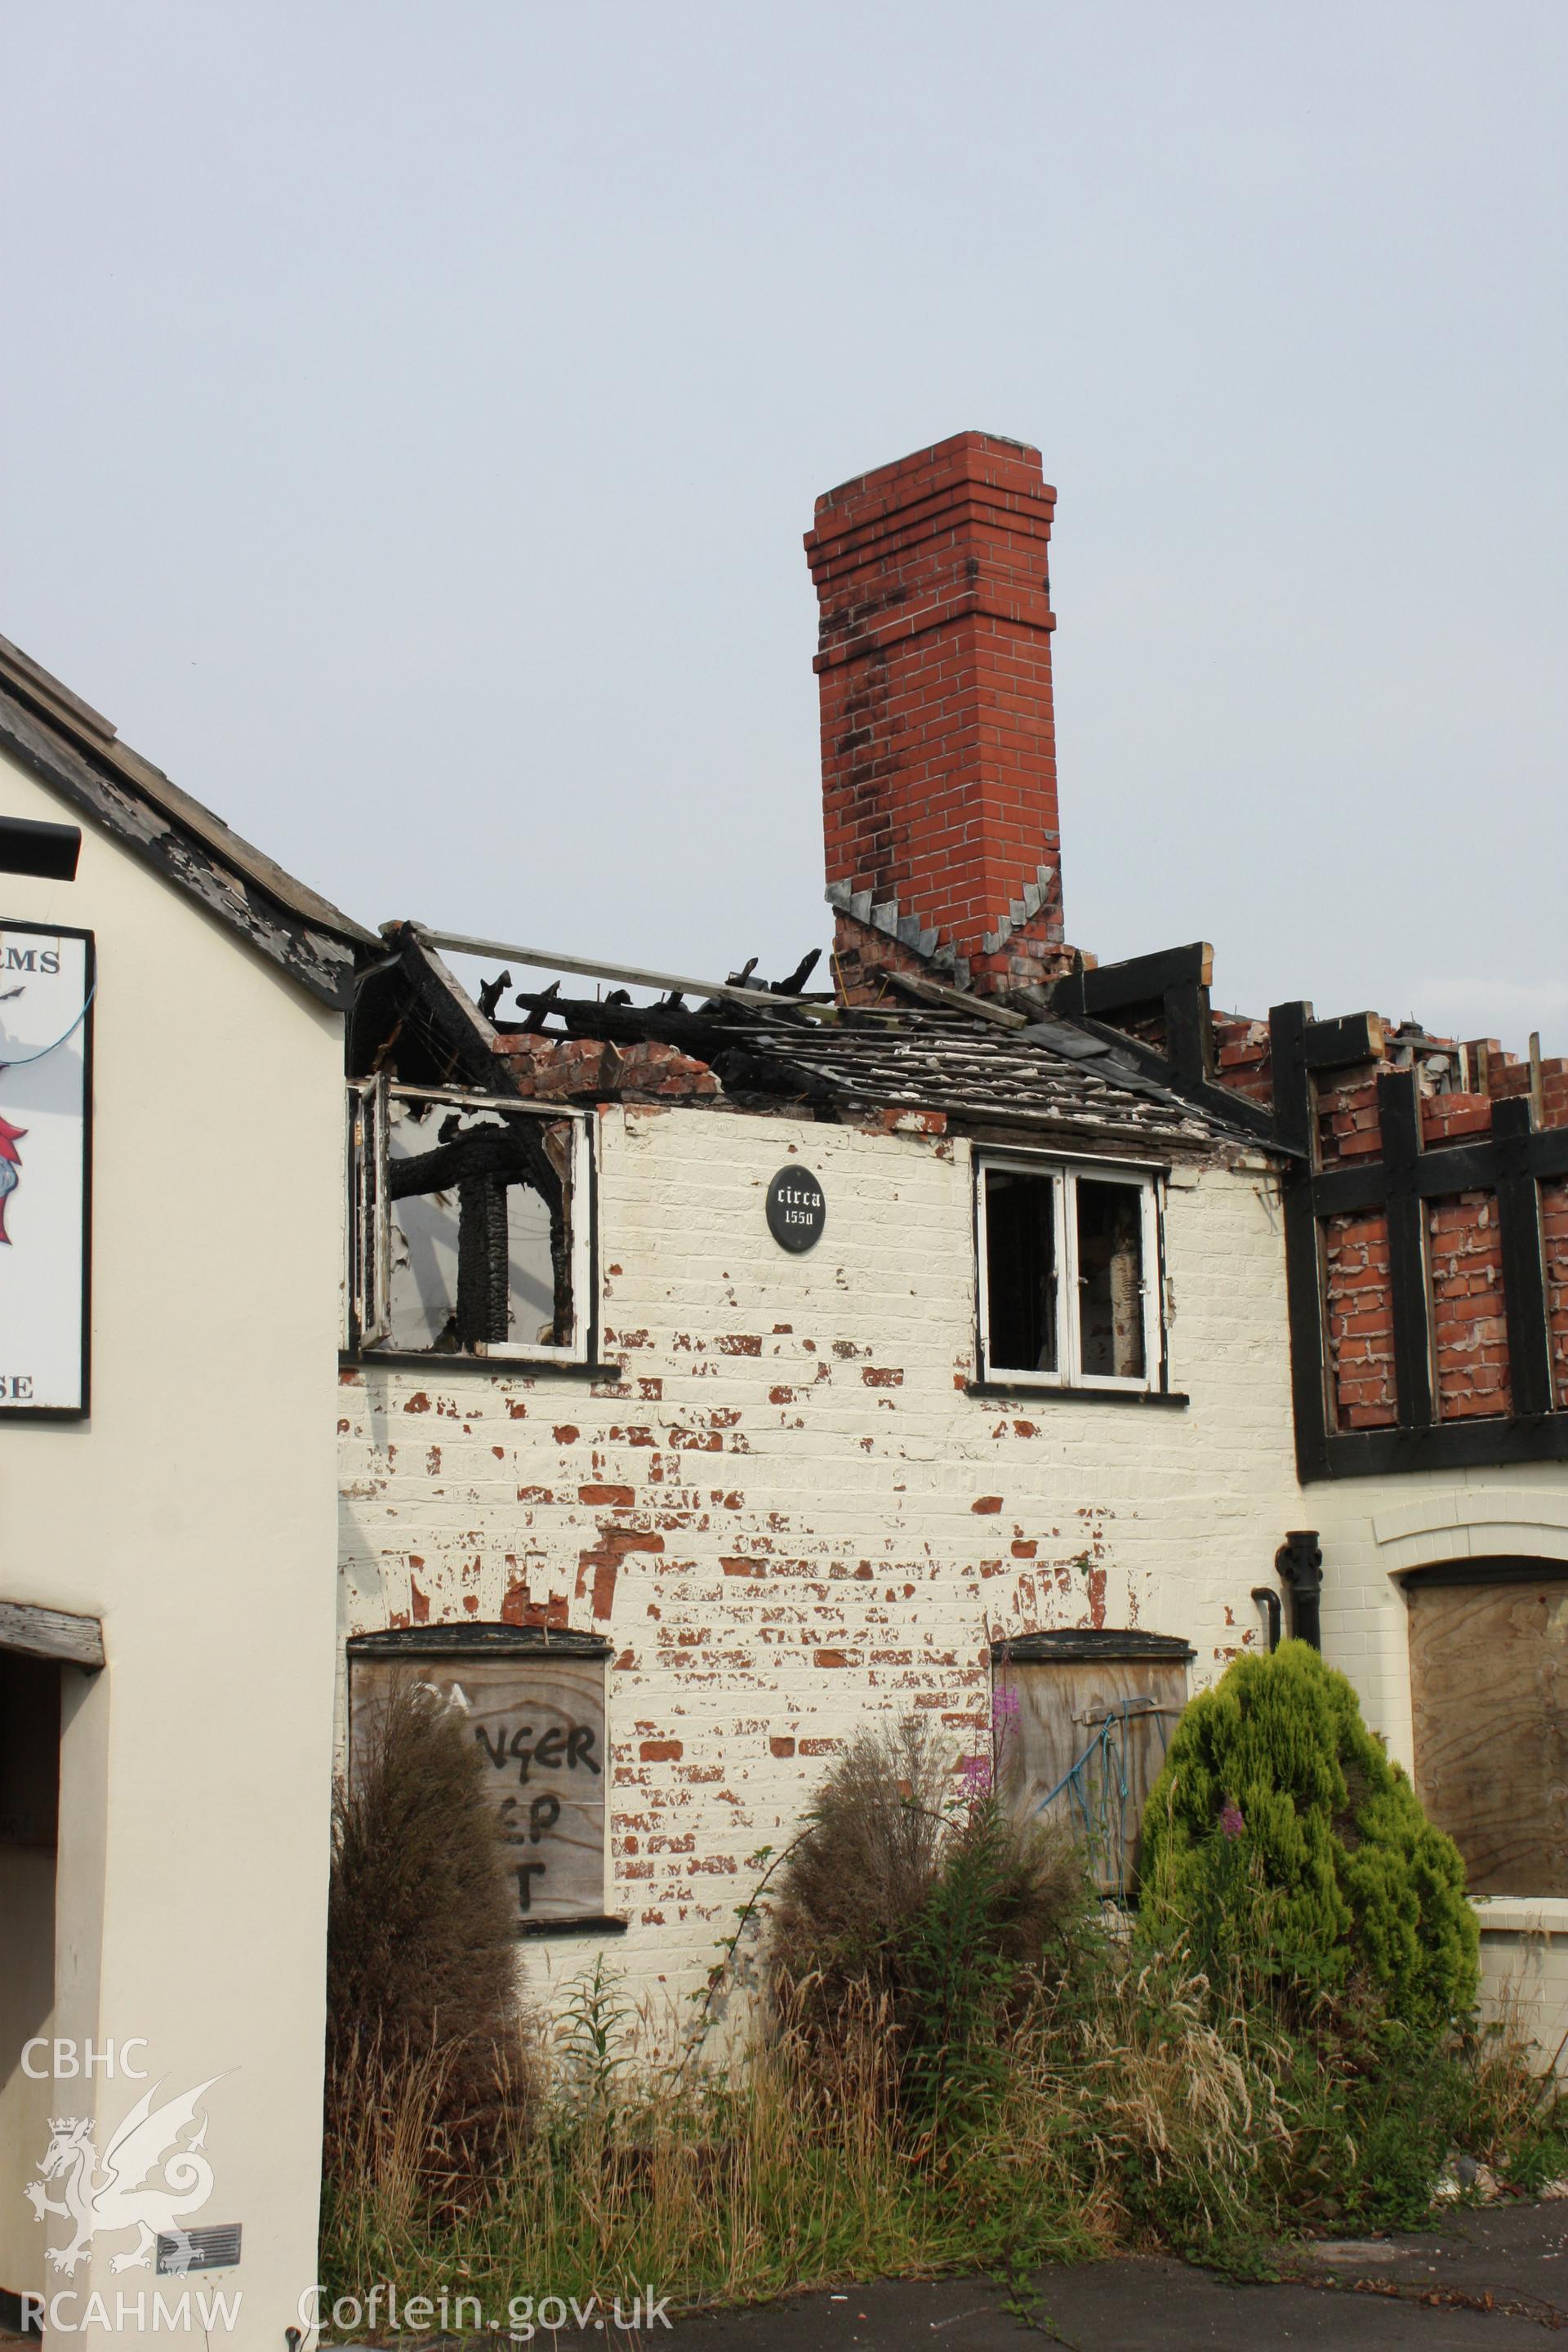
(797, 1209)
(46, 986)
(538, 1720)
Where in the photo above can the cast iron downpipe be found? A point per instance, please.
(1299, 1561)
(1267, 1601)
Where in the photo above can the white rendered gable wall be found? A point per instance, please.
(194, 1514)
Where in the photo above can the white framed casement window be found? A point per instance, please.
(470, 1225)
(1068, 1274)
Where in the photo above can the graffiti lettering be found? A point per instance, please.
(526, 1873)
(557, 1748)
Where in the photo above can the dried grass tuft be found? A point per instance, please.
(429, 2054)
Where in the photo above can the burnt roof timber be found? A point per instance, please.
(590, 967)
(622, 1025)
(1142, 980)
(958, 1000)
(462, 1042)
(918, 1058)
(920, 1055)
(1204, 1094)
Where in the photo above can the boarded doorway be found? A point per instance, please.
(1489, 1687)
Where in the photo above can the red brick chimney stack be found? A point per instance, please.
(939, 776)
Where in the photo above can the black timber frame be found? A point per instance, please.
(1511, 1163)
(1175, 983)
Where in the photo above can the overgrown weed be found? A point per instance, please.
(962, 2064)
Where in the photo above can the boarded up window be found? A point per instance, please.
(537, 1715)
(1083, 1720)
(1489, 1684)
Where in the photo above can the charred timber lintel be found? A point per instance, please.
(492, 1151)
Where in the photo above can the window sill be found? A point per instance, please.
(589, 1926)
(415, 1360)
(1172, 1398)
(1520, 1915)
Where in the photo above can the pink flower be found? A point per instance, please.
(1230, 1821)
(1004, 1702)
(975, 1772)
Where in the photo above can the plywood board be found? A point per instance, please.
(1489, 1685)
(1061, 1706)
(539, 1722)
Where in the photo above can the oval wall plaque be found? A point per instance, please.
(797, 1209)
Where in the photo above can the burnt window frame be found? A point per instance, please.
(368, 1235)
(1064, 1171)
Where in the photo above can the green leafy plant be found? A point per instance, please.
(1279, 1835)
(593, 2038)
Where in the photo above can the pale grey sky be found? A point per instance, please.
(411, 412)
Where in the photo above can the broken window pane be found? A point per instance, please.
(480, 1206)
(1111, 1279)
(1021, 1271)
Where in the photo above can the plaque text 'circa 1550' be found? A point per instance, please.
(797, 1209)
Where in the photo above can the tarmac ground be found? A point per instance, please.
(1486, 2279)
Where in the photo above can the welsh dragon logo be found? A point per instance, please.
(118, 2193)
(10, 1168)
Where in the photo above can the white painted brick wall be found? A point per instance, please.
(787, 1514)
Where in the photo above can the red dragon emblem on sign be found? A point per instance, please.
(10, 1168)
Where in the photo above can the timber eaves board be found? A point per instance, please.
(282, 919)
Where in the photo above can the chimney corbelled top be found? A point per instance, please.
(938, 749)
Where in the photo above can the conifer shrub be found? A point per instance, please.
(1280, 1836)
(428, 2048)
